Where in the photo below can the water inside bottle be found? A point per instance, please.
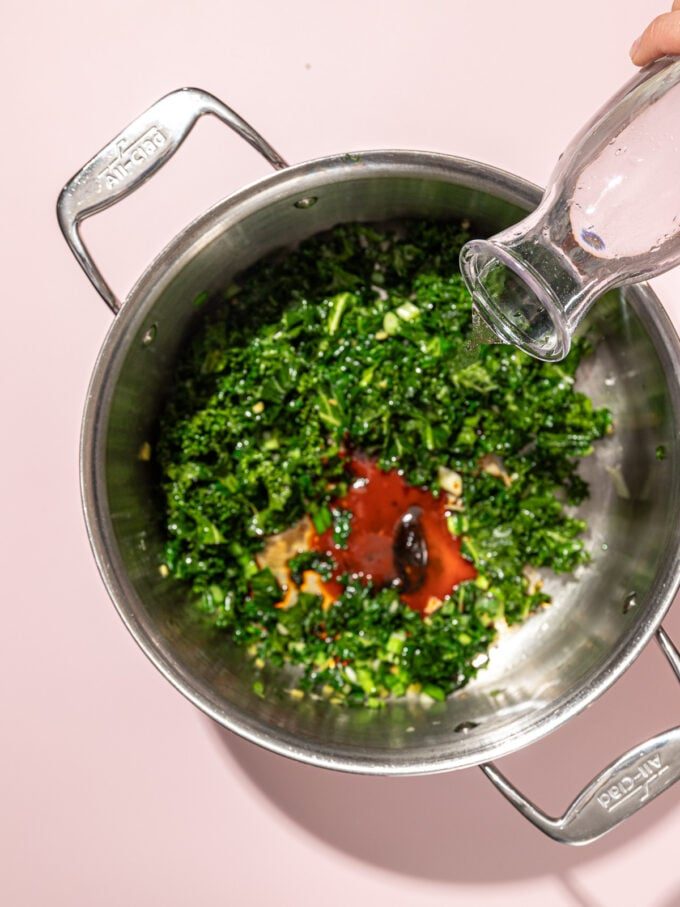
(626, 202)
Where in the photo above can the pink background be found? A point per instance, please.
(114, 789)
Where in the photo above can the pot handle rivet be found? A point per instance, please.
(132, 157)
(623, 788)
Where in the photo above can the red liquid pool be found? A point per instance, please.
(377, 501)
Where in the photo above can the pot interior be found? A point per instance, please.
(540, 672)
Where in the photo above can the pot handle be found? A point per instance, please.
(623, 788)
(132, 157)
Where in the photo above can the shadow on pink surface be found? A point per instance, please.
(455, 827)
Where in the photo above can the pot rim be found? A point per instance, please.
(160, 271)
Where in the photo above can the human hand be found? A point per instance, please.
(662, 36)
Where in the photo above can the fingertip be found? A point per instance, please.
(634, 48)
(662, 36)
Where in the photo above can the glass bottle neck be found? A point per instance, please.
(525, 293)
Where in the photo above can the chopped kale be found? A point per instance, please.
(342, 526)
(359, 338)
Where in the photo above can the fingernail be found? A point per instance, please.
(634, 47)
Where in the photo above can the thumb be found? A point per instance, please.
(662, 36)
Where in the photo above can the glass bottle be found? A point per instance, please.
(610, 216)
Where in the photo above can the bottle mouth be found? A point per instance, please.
(514, 300)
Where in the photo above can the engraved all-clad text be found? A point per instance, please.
(132, 155)
(637, 782)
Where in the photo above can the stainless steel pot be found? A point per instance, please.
(541, 674)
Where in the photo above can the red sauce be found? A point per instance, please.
(377, 501)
